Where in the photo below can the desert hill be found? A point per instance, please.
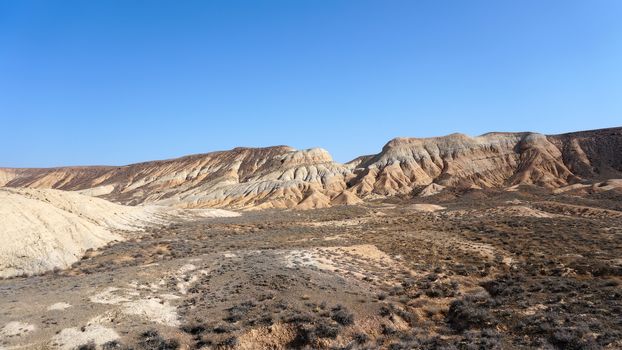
(278, 176)
(283, 177)
(426, 260)
(56, 227)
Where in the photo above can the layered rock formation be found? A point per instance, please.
(282, 177)
(490, 160)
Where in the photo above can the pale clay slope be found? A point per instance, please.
(73, 338)
(46, 229)
(15, 328)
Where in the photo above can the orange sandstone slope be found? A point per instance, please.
(283, 177)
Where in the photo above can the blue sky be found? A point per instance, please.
(116, 82)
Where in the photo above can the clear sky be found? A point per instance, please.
(115, 82)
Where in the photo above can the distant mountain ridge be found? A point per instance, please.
(283, 177)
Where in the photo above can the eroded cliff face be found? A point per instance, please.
(283, 177)
(406, 163)
(279, 177)
(594, 154)
(490, 160)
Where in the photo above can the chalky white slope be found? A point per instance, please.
(41, 229)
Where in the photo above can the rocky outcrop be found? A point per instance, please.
(283, 177)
